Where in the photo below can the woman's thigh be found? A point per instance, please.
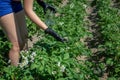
(20, 18)
(10, 29)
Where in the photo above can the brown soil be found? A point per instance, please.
(33, 40)
(96, 40)
(116, 3)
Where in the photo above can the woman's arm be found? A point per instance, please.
(28, 7)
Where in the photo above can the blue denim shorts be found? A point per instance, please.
(9, 6)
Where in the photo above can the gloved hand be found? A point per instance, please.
(55, 35)
(46, 6)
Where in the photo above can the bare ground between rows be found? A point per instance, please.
(94, 42)
(116, 3)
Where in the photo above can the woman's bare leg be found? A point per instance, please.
(22, 27)
(8, 25)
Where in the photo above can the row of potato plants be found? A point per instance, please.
(109, 21)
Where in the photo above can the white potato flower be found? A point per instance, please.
(62, 68)
(58, 64)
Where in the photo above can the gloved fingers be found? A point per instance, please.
(51, 8)
(55, 35)
(48, 7)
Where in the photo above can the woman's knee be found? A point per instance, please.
(16, 46)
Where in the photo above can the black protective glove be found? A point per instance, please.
(46, 6)
(54, 34)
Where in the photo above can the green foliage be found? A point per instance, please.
(52, 60)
